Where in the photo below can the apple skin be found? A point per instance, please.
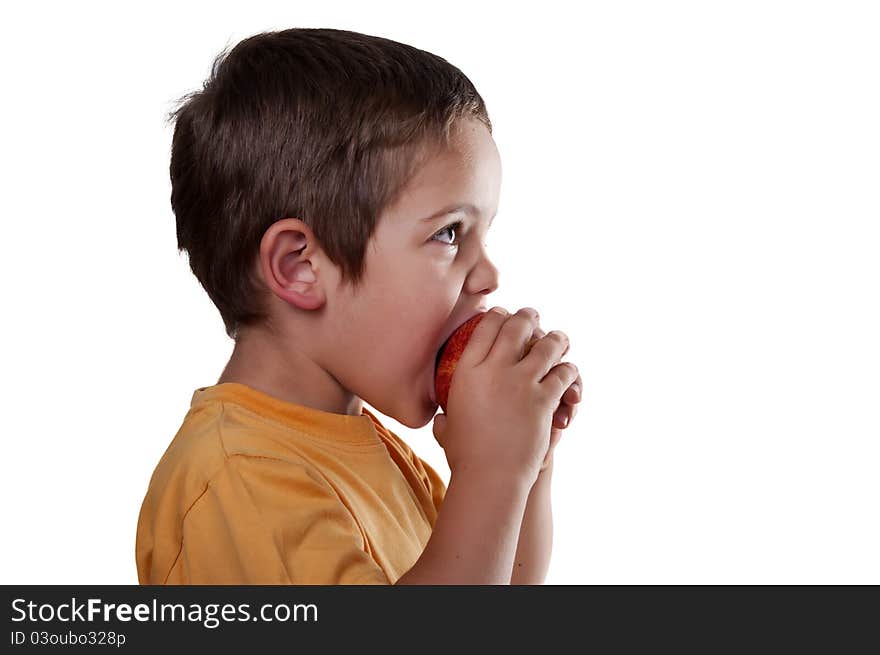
(450, 352)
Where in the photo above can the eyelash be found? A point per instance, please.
(456, 226)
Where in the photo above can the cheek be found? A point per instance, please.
(408, 310)
(413, 338)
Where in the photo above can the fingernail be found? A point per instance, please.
(564, 421)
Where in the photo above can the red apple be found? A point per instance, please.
(450, 353)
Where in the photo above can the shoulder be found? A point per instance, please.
(214, 444)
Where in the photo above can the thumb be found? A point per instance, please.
(439, 427)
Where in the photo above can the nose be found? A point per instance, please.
(483, 278)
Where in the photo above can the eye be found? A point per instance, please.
(452, 226)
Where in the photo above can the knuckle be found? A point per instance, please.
(546, 394)
(558, 334)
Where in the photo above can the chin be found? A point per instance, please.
(413, 416)
(412, 424)
(418, 418)
(415, 407)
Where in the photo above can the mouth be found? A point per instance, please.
(437, 358)
(432, 390)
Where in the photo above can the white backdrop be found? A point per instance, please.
(690, 192)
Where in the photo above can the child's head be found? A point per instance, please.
(301, 175)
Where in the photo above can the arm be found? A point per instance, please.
(536, 534)
(475, 534)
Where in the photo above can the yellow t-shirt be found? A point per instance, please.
(256, 490)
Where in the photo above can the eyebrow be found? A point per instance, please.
(457, 208)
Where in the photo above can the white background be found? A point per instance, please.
(690, 192)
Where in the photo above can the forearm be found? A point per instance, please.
(535, 543)
(474, 536)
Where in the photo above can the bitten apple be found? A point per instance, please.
(450, 352)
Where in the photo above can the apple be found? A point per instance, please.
(450, 352)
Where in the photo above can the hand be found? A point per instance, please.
(565, 412)
(506, 398)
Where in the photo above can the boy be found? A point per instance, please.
(312, 178)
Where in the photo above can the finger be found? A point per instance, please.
(558, 378)
(562, 416)
(484, 336)
(438, 428)
(515, 333)
(546, 353)
(574, 393)
(538, 333)
(555, 436)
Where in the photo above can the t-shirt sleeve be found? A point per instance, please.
(271, 521)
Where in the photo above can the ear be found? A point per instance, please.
(289, 260)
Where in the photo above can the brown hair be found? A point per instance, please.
(324, 125)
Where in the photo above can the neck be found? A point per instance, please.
(263, 362)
